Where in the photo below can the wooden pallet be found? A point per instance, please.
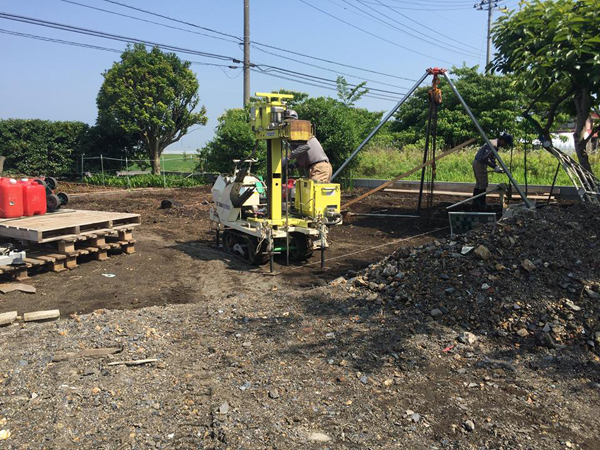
(58, 256)
(66, 225)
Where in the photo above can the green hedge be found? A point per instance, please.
(41, 147)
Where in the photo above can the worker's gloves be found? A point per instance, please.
(498, 169)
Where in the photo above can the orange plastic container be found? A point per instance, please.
(34, 198)
(11, 198)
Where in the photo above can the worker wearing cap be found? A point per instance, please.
(309, 156)
(483, 159)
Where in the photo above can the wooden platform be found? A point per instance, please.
(58, 256)
(65, 225)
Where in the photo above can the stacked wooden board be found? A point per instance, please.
(59, 240)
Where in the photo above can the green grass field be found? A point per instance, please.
(174, 162)
(389, 163)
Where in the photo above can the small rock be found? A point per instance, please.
(591, 294)
(274, 394)
(364, 379)
(546, 328)
(466, 250)
(467, 338)
(482, 253)
(436, 312)
(155, 406)
(338, 281)
(318, 437)
(247, 344)
(572, 305)
(224, 408)
(523, 332)
(528, 265)
(469, 425)
(450, 290)
(485, 286)
(415, 417)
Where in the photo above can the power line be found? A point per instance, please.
(369, 33)
(175, 20)
(322, 86)
(95, 47)
(304, 55)
(221, 66)
(421, 37)
(101, 34)
(429, 8)
(148, 21)
(421, 25)
(104, 35)
(327, 69)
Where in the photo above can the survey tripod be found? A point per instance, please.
(444, 73)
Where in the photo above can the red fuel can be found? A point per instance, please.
(34, 198)
(11, 198)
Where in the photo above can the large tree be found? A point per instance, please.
(553, 46)
(152, 95)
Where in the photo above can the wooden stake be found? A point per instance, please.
(41, 315)
(8, 318)
(406, 174)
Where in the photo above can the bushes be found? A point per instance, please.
(41, 147)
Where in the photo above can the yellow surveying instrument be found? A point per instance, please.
(256, 218)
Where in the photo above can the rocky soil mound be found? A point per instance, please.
(534, 277)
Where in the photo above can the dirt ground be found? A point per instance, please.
(180, 239)
(251, 361)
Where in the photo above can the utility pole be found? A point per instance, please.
(246, 52)
(491, 4)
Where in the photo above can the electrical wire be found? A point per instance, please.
(171, 18)
(236, 41)
(421, 37)
(304, 55)
(322, 86)
(263, 68)
(437, 32)
(326, 69)
(95, 47)
(369, 33)
(104, 35)
(120, 38)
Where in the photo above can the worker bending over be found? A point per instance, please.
(309, 156)
(483, 159)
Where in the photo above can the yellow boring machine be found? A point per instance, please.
(257, 218)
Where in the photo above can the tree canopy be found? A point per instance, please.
(492, 99)
(553, 48)
(340, 129)
(152, 95)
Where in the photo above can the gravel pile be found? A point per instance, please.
(534, 277)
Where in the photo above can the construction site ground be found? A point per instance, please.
(250, 361)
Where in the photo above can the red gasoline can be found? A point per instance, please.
(34, 198)
(11, 198)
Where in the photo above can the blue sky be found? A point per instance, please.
(60, 82)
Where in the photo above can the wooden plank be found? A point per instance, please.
(406, 174)
(41, 315)
(34, 262)
(8, 317)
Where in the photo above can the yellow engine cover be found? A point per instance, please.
(314, 198)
